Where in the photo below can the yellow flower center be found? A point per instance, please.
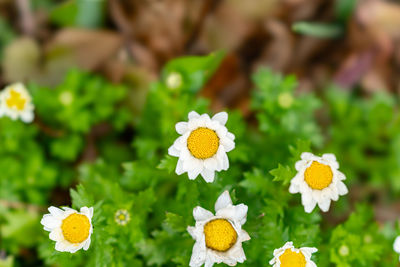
(15, 100)
(75, 228)
(292, 259)
(203, 143)
(220, 235)
(318, 176)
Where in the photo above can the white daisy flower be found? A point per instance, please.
(122, 217)
(396, 245)
(318, 180)
(289, 256)
(16, 102)
(69, 228)
(219, 237)
(203, 145)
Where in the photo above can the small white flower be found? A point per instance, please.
(174, 80)
(122, 217)
(202, 146)
(69, 228)
(289, 256)
(396, 245)
(219, 237)
(318, 180)
(16, 102)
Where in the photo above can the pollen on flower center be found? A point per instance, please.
(203, 143)
(318, 176)
(220, 235)
(292, 259)
(75, 228)
(15, 100)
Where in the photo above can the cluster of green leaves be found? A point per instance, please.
(38, 160)
(362, 132)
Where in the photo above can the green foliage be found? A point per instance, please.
(6, 35)
(81, 13)
(45, 162)
(344, 9)
(357, 242)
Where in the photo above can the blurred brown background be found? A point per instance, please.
(357, 45)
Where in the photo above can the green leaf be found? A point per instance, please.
(174, 222)
(65, 13)
(318, 30)
(283, 173)
(81, 198)
(344, 9)
(168, 163)
(195, 70)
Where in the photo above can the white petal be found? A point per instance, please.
(195, 172)
(324, 204)
(308, 250)
(208, 263)
(342, 188)
(239, 255)
(225, 162)
(223, 201)
(222, 132)
(56, 212)
(208, 175)
(293, 188)
(179, 167)
(87, 211)
(198, 255)
(211, 163)
(75, 247)
(181, 127)
(340, 175)
(236, 213)
(50, 222)
(87, 244)
(241, 213)
(56, 234)
(310, 207)
(396, 245)
(228, 144)
(205, 118)
(193, 115)
(221, 117)
(192, 231)
(306, 198)
(230, 136)
(329, 157)
(317, 195)
(300, 165)
(172, 151)
(307, 155)
(27, 116)
(201, 214)
(191, 163)
(244, 236)
(61, 246)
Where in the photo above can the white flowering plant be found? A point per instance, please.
(303, 180)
